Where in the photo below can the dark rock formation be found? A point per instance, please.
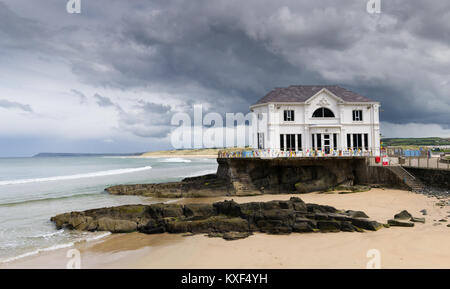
(417, 220)
(195, 187)
(226, 219)
(397, 223)
(246, 177)
(403, 215)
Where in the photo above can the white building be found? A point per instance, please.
(328, 119)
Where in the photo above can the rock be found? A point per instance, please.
(302, 227)
(417, 220)
(116, 226)
(347, 227)
(229, 208)
(448, 225)
(199, 211)
(230, 236)
(356, 214)
(366, 224)
(314, 208)
(225, 219)
(329, 226)
(424, 212)
(397, 223)
(403, 215)
(442, 220)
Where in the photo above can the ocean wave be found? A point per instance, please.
(76, 176)
(38, 200)
(54, 247)
(175, 160)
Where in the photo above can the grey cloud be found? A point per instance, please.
(4, 103)
(103, 101)
(227, 54)
(82, 97)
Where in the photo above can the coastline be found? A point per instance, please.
(422, 246)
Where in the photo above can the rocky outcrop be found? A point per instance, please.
(204, 186)
(226, 219)
(248, 177)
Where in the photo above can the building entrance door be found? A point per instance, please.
(326, 143)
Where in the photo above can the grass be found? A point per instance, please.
(416, 142)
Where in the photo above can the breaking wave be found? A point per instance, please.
(76, 176)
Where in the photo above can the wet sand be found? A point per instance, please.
(423, 246)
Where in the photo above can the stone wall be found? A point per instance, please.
(432, 177)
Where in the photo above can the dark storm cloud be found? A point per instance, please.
(4, 103)
(228, 54)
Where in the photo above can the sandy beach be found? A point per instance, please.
(423, 246)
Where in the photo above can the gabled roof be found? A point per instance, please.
(301, 93)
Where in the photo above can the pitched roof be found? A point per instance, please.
(301, 93)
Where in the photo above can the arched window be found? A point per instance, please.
(323, 112)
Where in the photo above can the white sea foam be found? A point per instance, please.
(54, 247)
(37, 251)
(48, 235)
(201, 173)
(76, 176)
(175, 160)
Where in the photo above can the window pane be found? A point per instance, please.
(313, 141)
(327, 112)
(335, 141)
(299, 142)
(366, 141)
(319, 141)
(282, 142)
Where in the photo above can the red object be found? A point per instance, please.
(377, 160)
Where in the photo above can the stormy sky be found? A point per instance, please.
(110, 79)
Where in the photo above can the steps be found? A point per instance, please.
(412, 182)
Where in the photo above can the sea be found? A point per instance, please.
(34, 189)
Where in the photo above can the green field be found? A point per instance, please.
(427, 141)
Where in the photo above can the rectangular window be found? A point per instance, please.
(282, 142)
(335, 141)
(260, 140)
(359, 138)
(357, 115)
(290, 142)
(288, 115)
(319, 141)
(313, 143)
(299, 142)
(349, 139)
(366, 141)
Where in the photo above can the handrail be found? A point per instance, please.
(268, 153)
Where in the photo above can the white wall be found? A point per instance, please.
(304, 124)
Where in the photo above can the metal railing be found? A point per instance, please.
(425, 163)
(268, 153)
